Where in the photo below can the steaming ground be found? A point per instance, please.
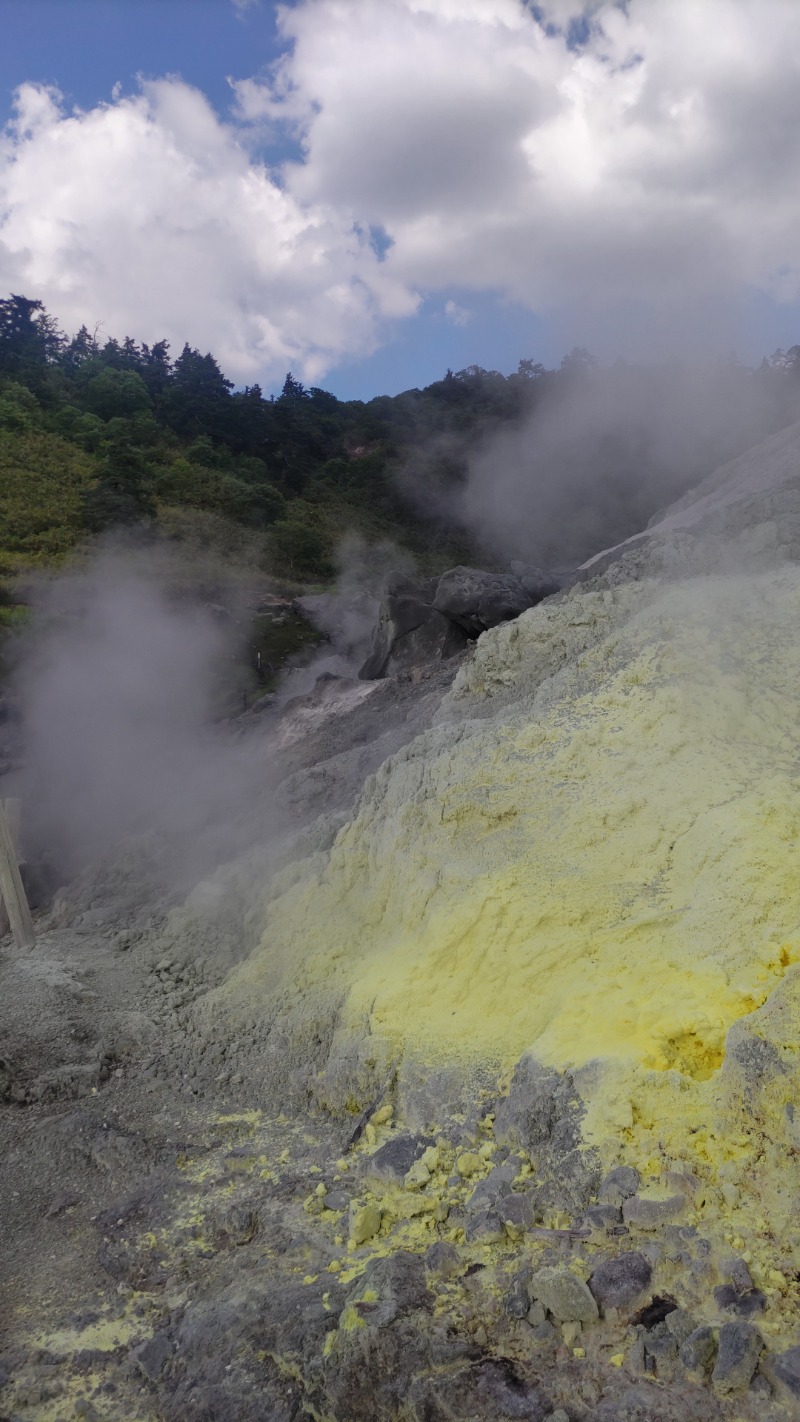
(329, 1138)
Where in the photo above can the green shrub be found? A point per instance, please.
(42, 481)
(298, 550)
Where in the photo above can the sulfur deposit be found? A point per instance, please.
(600, 868)
(490, 1097)
(590, 861)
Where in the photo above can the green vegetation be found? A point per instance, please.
(99, 435)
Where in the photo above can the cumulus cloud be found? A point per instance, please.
(629, 171)
(640, 168)
(149, 216)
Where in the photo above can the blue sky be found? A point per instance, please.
(86, 47)
(633, 192)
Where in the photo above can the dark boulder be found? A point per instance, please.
(476, 600)
(410, 632)
(538, 583)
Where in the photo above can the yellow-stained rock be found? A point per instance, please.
(365, 1221)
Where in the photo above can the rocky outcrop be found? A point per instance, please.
(410, 631)
(425, 622)
(476, 600)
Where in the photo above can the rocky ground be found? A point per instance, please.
(176, 1245)
(192, 1229)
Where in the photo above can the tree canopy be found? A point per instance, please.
(146, 432)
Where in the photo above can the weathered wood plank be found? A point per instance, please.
(16, 914)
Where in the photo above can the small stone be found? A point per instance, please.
(443, 1258)
(393, 1160)
(365, 1221)
(740, 1276)
(337, 1200)
(536, 1314)
(683, 1182)
(545, 1332)
(680, 1324)
(617, 1283)
(739, 1350)
(601, 1218)
(636, 1354)
(153, 1355)
(518, 1300)
(786, 1367)
(698, 1351)
(659, 1343)
(485, 1227)
(85, 1411)
(564, 1295)
(652, 1214)
(469, 1164)
(570, 1332)
(743, 1305)
(418, 1176)
(517, 1214)
(430, 1158)
(618, 1185)
(558, 1416)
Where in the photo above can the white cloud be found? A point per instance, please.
(646, 179)
(148, 216)
(457, 315)
(654, 170)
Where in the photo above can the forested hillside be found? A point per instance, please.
(96, 433)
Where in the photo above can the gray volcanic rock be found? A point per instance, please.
(477, 600)
(420, 623)
(410, 631)
(538, 583)
(617, 1283)
(740, 1347)
(542, 1114)
(786, 1368)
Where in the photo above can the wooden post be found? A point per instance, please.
(12, 809)
(17, 913)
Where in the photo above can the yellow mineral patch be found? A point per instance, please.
(593, 856)
(609, 874)
(104, 1336)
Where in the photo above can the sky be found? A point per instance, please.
(367, 192)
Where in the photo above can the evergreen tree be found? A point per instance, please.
(29, 338)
